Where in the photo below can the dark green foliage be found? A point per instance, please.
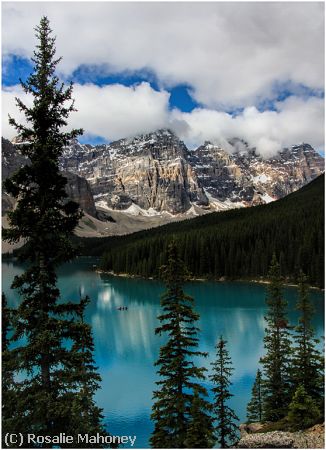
(200, 433)
(308, 363)
(236, 243)
(85, 415)
(303, 411)
(179, 396)
(9, 387)
(276, 362)
(296, 371)
(226, 427)
(7, 358)
(43, 216)
(255, 406)
(52, 344)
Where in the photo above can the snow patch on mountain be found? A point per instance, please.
(218, 205)
(135, 210)
(262, 178)
(267, 198)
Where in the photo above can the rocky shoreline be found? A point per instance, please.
(252, 437)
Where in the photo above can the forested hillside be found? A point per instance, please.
(232, 244)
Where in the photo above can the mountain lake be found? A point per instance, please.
(126, 346)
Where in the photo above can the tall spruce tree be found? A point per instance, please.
(55, 371)
(308, 363)
(255, 406)
(276, 362)
(226, 427)
(180, 399)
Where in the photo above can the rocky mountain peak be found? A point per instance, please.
(161, 144)
(149, 170)
(155, 173)
(244, 177)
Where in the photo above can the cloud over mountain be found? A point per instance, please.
(256, 70)
(117, 111)
(294, 120)
(231, 54)
(111, 111)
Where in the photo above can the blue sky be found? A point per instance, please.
(209, 71)
(20, 68)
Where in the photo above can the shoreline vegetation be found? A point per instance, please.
(7, 257)
(203, 279)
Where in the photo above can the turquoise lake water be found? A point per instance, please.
(126, 346)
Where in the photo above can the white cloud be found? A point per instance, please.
(112, 111)
(9, 107)
(230, 53)
(295, 120)
(116, 111)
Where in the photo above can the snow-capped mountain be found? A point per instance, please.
(152, 179)
(246, 177)
(151, 171)
(156, 174)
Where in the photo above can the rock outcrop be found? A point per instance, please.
(79, 191)
(254, 438)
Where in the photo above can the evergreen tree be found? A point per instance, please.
(303, 411)
(255, 406)
(278, 352)
(10, 418)
(308, 365)
(45, 220)
(85, 413)
(175, 400)
(200, 432)
(7, 359)
(226, 427)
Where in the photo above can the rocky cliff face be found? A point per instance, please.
(157, 173)
(79, 191)
(151, 171)
(246, 177)
(77, 187)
